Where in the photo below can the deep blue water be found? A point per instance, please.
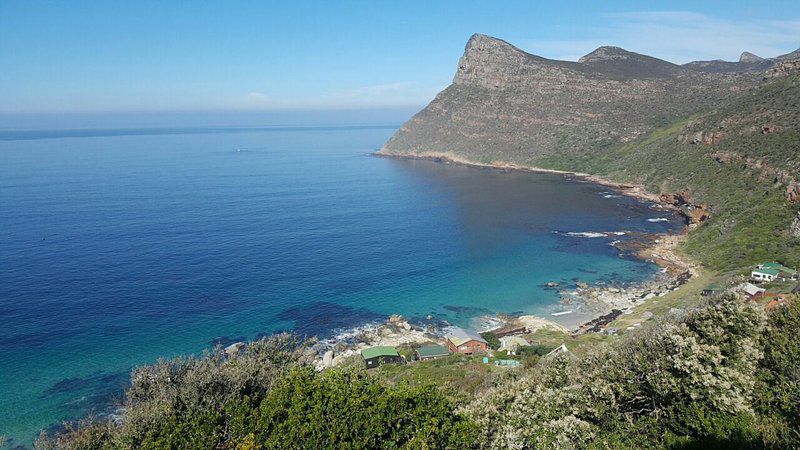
(117, 248)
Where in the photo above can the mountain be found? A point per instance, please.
(748, 62)
(723, 142)
(747, 57)
(508, 105)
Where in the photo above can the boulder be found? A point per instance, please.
(793, 193)
(327, 359)
(794, 228)
(234, 348)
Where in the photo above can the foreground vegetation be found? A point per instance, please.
(726, 375)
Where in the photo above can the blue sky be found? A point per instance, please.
(109, 56)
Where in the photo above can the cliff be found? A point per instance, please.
(506, 104)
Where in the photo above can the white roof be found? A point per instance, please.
(460, 336)
(560, 349)
(751, 289)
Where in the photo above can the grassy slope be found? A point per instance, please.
(750, 213)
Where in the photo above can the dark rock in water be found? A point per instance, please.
(469, 310)
(321, 318)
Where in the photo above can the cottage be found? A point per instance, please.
(777, 270)
(375, 356)
(774, 303)
(752, 291)
(467, 342)
(760, 275)
(431, 352)
(710, 290)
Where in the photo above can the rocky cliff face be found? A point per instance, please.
(794, 229)
(508, 105)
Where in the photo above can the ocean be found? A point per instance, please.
(118, 247)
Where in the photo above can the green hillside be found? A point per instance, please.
(744, 177)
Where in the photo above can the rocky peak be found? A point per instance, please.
(747, 57)
(607, 53)
(793, 55)
(494, 63)
(623, 64)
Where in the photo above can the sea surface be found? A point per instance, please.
(118, 247)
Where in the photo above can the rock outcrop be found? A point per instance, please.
(748, 57)
(794, 229)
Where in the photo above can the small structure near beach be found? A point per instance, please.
(752, 291)
(431, 352)
(466, 342)
(710, 290)
(375, 356)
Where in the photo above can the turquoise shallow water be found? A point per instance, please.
(118, 248)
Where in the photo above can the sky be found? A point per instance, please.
(85, 58)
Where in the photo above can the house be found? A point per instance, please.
(710, 290)
(375, 356)
(760, 275)
(467, 342)
(431, 352)
(512, 343)
(776, 270)
(774, 303)
(752, 291)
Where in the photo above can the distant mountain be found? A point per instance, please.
(748, 62)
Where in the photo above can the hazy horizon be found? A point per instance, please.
(80, 64)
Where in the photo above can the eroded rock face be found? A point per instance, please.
(783, 69)
(793, 192)
(748, 57)
(794, 229)
(508, 105)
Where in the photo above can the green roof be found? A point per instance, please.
(374, 352)
(777, 266)
(772, 272)
(432, 350)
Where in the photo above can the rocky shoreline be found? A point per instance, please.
(593, 307)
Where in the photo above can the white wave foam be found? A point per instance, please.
(658, 219)
(587, 234)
